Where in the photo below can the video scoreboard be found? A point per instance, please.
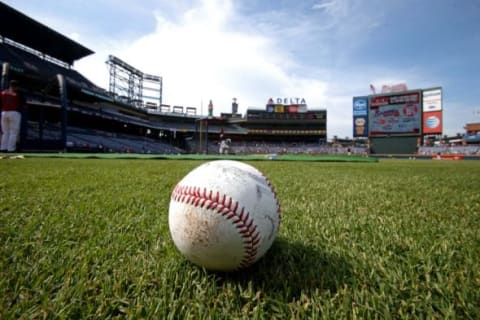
(408, 113)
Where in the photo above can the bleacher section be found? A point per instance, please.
(265, 147)
(470, 150)
(51, 131)
(84, 140)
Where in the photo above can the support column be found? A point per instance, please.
(5, 71)
(63, 102)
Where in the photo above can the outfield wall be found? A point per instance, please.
(393, 145)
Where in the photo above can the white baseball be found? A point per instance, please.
(224, 215)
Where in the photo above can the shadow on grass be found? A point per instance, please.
(292, 268)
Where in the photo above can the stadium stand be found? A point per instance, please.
(84, 140)
(68, 112)
(301, 147)
(470, 150)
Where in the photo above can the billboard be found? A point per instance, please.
(291, 105)
(432, 100)
(432, 122)
(395, 114)
(360, 116)
(360, 126)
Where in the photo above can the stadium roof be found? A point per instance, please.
(22, 29)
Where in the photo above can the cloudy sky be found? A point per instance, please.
(325, 51)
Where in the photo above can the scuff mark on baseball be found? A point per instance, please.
(224, 215)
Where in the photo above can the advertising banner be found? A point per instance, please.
(293, 108)
(360, 126)
(432, 100)
(360, 116)
(397, 114)
(360, 106)
(432, 122)
(302, 108)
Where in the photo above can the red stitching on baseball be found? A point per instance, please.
(227, 208)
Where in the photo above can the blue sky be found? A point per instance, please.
(325, 51)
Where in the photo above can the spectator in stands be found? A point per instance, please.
(12, 103)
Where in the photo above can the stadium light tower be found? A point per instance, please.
(132, 86)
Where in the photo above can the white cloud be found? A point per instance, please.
(334, 8)
(210, 51)
(200, 58)
(74, 36)
(220, 49)
(322, 6)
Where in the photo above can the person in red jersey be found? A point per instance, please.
(11, 103)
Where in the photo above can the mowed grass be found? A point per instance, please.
(89, 239)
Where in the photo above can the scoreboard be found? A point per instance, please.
(407, 113)
(396, 114)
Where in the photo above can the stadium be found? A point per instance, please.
(68, 113)
(366, 232)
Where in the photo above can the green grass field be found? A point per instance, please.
(89, 239)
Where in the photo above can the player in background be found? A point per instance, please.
(12, 102)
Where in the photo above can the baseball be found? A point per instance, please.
(224, 215)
